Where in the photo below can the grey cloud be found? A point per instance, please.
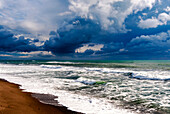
(9, 43)
(159, 43)
(110, 14)
(33, 16)
(66, 41)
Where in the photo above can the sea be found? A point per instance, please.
(96, 87)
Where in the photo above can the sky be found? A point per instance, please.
(85, 29)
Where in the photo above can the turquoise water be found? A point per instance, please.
(159, 64)
(138, 85)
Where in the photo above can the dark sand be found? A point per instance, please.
(14, 101)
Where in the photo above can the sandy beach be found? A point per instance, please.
(14, 101)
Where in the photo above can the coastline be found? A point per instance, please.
(14, 101)
(51, 79)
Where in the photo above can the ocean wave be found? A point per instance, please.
(99, 83)
(132, 73)
(50, 67)
(140, 77)
(55, 62)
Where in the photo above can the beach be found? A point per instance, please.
(14, 101)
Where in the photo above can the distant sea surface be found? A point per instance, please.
(109, 87)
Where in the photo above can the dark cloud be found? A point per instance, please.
(137, 43)
(116, 27)
(44, 55)
(89, 52)
(9, 43)
(36, 40)
(91, 45)
(150, 44)
(112, 47)
(144, 47)
(72, 36)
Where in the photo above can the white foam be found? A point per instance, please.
(62, 62)
(89, 105)
(50, 85)
(143, 74)
(42, 79)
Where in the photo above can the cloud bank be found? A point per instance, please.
(111, 14)
(32, 16)
(112, 29)
(10, 43)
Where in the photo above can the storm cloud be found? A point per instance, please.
(123, 29)
(9, 43)
(72, 36)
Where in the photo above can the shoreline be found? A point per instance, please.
(14, 101)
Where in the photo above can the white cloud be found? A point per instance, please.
(167, 9)
(149, 23)
(163, 36)
(5, 55)
(153, 22)
(96, 47)
(65, 13)
(144, 14)
(139, 5)
(1, 4)
(109, 13)
(36, 54)
(32, 26)
(42, 16)
(35, 17)
(164, 17)
(159, 42)
(156, 11)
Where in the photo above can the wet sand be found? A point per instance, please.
(14, 101)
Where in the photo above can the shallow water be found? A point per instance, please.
(103, 86)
